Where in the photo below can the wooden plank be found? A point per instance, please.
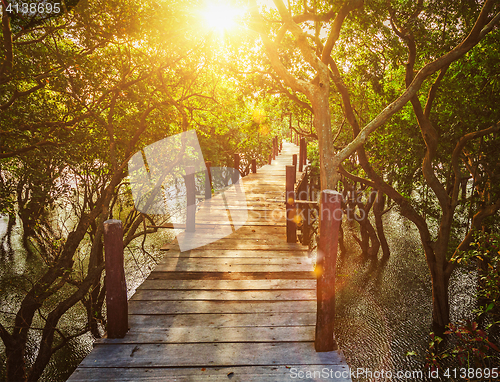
(209, 354)
(256, 295)
(199, 334)
(243, 244)
(183, 307)
(260, 234)
(228, 284)
(146, 322)
(285, 275)
(191, 266)
(212, 225)
(220, 253)
(267, 230)
(215, 374)
(232, 261)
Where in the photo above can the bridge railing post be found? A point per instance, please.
(330, 217)
(116, 288)
(291, 225)
(303, 195)
(301, 154)
(208, 181)
(236, 174)
(304, 156)
(254, 166)
(191, 199)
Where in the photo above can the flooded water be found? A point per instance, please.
(15, 265)
(382, 311)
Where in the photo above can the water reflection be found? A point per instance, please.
(384, 310)
(17, 268)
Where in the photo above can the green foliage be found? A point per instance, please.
(485, 251)
(472, 346)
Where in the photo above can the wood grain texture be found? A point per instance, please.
(228, 284)
(212, 374)
(224, 295)
(209, 354)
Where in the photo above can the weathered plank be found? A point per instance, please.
(215, 320)
(209, 354)
(199, 334)
(228, 284)
(192, 266)
(241, 253)
(177, 307)
(155, 275)
(256, 295)
(282, 261)
(224, 233)
(309, 373)
(244, 244)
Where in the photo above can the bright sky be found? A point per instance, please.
(223, 17)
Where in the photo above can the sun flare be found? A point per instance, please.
(222, 17)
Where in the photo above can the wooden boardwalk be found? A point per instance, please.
(242, 308)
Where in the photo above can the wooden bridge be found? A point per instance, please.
(242, 308)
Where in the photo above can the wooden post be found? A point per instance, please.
(236, 161)
(281, 145)
(274, 148)
(208, 182)
(270, 158)
(294, 163)
(291, 225)
(305, 224)
(301, 154)
(254, 166)
(191, 199)
(330, 218)
(306, 213)
(236, 174)
(305, 152)
(276, 145)
(116, 289)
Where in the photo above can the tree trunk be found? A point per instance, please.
(365, 238)
(440, 302)
(15, 364)
(378, 208)
(375, 243)
(329, 175)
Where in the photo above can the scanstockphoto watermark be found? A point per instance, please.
(333, 374)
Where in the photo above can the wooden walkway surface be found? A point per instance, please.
(242, 308)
